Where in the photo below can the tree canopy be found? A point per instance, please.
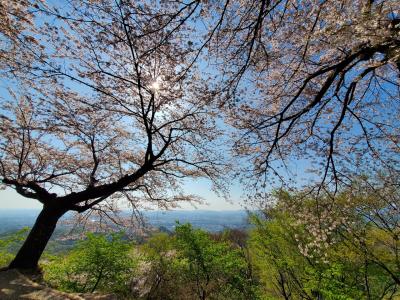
(311, 82)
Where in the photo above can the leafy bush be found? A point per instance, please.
(160, 270)
(100, 262)
(357, 263)
(9, 244)
(213, 269)
(192, 265)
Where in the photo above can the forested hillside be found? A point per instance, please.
(278, 257)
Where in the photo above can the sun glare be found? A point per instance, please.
(156, 85)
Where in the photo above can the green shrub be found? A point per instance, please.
(9, 245)
(100, 262)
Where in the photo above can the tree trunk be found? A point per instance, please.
(29, 254)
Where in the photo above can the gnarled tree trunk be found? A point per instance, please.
(29, 254)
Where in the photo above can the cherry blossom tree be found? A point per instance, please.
(102, 102)
(311, 81)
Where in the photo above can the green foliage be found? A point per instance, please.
(213, 269)
(192, 265)
(9, 244)
(351, 253)
(275, 256)
(354, 266)
(284, 270)
(161, 269)
(100, 262)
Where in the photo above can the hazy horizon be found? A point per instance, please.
(11, 200)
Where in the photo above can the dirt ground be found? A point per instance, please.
(14, 285)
